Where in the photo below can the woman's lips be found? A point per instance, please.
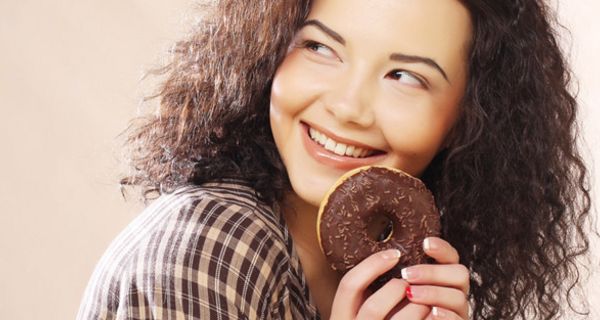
(328, 158)
(336, 138)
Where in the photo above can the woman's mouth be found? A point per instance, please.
(338, 147)
(339, 154)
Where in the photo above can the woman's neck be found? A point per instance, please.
(301, 219)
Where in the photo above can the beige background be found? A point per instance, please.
(69, 82)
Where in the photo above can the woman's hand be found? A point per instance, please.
(351, 300)
(443, 286)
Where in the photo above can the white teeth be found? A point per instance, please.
(349, 150)
(330, 145)
(338, 148)
(322, 138)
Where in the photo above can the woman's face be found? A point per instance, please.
(368, 83)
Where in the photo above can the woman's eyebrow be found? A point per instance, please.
(428, 61)
(334, 35)
(394, 56)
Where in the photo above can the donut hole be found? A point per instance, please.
(380, 228)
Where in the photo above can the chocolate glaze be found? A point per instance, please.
(349, 208)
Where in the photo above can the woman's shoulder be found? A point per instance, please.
(227, 204)
(212, 238)
(223, 227)
(209, 211)
(193, 225)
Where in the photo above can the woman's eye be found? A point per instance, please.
(407, 78)
(318, 48)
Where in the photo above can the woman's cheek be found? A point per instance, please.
(413, 140)
(287, 89)
(298, 83)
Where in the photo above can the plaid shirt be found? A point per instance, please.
(202, 252)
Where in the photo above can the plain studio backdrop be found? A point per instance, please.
(69, 83)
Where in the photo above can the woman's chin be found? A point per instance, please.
(309, 194)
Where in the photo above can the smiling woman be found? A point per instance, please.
(365, 87)
(268, 103)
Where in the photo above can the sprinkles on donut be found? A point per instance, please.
(374, 208)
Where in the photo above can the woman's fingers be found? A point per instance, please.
(411, 311)
(444, 285)
(379, 304)
(351, 289)
(440, 250)
(452, 275)
(447, 298)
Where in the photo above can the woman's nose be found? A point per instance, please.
(350, 101)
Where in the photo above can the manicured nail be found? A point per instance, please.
(392, 254)
(438, 312)
(426, 244)
(408, 274)
(414, 292)
(409, 293)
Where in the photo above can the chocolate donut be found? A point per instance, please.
(374, 208)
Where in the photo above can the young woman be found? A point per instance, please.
(471, 96)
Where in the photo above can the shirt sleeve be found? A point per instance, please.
(193, 257)
(236, 262)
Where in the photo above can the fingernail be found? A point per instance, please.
(414, 292)
(408, 274)
(427, 244)
(392, 254)
(438, 312)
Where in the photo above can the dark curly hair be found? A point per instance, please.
(512, 186)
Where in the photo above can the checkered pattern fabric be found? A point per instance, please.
(202, 252)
